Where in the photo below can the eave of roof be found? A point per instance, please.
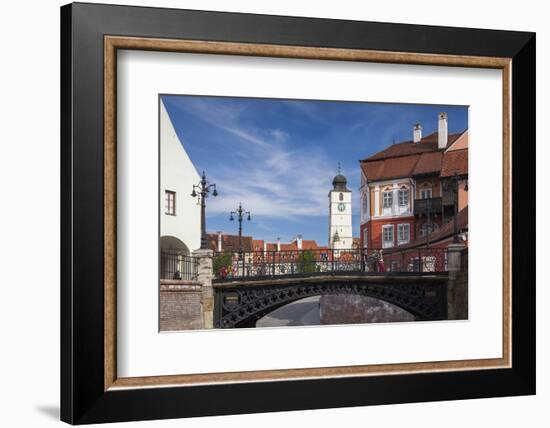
(408, 148)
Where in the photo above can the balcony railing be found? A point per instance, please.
(425, 206)
(269, 264)
(177, 266)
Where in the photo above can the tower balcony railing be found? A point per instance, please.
(270, 264)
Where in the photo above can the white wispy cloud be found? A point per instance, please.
(288, 184)
(279, 135)
(274, 177)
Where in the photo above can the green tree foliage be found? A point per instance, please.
(219, 261)
(306, 262)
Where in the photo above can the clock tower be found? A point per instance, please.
(339, 207)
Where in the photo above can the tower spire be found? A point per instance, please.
(339, 168)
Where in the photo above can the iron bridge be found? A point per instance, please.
(240, 303)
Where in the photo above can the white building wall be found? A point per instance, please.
(395, 210)
(177, 174)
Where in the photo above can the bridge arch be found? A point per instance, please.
(241, 305)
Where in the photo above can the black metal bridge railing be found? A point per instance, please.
(174, 265)
(269, 264)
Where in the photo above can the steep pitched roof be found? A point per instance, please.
(390, 168)
(455, 161)
(426, 144)
(408, 159)
(429, 162)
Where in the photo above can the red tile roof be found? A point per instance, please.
(409, 159)
(428, 163)
(288, 247)
(455, 161)
(390, 168)
(229, 242)
(309, 245)
(426, 144)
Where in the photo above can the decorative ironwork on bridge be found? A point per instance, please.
(259, 265)
(242, 303)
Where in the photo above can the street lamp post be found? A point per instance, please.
(201, 192)
(240, 213)
(429, 223)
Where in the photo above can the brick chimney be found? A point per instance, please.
(220, 242)
(417, 133)
(278, 244)
(442, 131)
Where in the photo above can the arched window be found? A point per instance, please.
(387, 198)
(426, 191)
(403, 196)
(341, 196)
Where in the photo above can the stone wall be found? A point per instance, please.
(457, 288)
(353, 309)
(461, 296)
(180, 305)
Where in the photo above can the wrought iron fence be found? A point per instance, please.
(175, 265)
(258, 264)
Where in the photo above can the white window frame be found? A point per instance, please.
(400, 228)
(403, 193)
(364, 204)
(388, 243)
(389, 194)
(426, 191)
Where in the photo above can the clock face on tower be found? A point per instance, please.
(341, 207)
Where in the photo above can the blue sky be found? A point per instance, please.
(278, 157)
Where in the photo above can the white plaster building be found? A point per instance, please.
(340, 230)
(180, 227)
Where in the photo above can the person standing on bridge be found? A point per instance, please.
(381, 265)
(223, 272)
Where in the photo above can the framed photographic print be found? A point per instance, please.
(316, 212)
